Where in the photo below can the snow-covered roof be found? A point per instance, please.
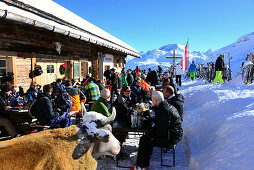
(63, 21)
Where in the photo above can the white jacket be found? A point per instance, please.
(178, 70)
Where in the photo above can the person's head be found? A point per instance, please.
(112, 70)
(14, 89)
(108, 67)
(126, 90)
(138, 82)
(168, 91)
(65, 79)
(221, 56)
(166, 81)
(157, 98)
(90, 79)
(6, 89)
(33, 85)
(58, 81)
(48, 88)
(68, 83)
(193, 62)
(105, 94)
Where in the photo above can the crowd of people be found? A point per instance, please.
(53, 104)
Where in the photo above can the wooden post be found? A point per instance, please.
(174, 57)
(33, 62)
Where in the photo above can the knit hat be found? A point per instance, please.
(221, 56)
(6, 88)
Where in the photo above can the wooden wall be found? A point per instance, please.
(23, 67)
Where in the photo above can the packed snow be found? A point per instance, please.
(218, 125)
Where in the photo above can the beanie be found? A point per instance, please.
(5, 88)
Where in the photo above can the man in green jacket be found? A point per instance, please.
(101, 105)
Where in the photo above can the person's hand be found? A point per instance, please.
(143, 87)
(8, 107)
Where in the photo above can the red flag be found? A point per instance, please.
(184, 59)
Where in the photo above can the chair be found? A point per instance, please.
(165, 146)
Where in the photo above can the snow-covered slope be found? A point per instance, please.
(153, 58)
(238, 50)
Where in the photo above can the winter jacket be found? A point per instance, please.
(101, 106)
(123, 106)
(3, 102)
(167, 123)
(219, 65)
(130, 79)
(92, 90)
(138, 91)
(192, 68)
(179, 70)
(124, 78)
(63, 101)
(77, 96)
(44, 111)
(152, 78)
(14, 99)
(107, 74)
(31, 94)
(114, 81)
(178, 102)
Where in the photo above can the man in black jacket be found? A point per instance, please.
(114, 85)
(130, 78)
(44, 111)
(176, 100)
(219, 66)
(7, 124)
(107, 73)
(167, 128)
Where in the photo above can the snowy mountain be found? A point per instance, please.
(238, 50)
(153, 58)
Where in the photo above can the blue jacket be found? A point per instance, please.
(192, 68)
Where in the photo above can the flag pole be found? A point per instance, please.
(188, 52)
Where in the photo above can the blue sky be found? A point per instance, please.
(150, 24)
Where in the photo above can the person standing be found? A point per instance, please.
(192, 70)
(219, 66)
(124, 77)
(179, 72)
(130, 78)
(114, 85)
(107, 73)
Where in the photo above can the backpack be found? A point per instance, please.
(63, 101)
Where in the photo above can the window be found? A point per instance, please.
(76, 70)
(50, 69)
(2, 67)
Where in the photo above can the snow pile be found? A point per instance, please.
(218, 122)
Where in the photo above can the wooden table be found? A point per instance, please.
(17, 116)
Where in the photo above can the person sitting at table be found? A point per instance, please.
(7, 124)
(32, 92)
(124, 108)
(175, 100)
(77, 97)
(15, 98)
(91, 90)
(63, 84)
(42, 109)
(137, 90)
(167, 127)
(101, 105)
